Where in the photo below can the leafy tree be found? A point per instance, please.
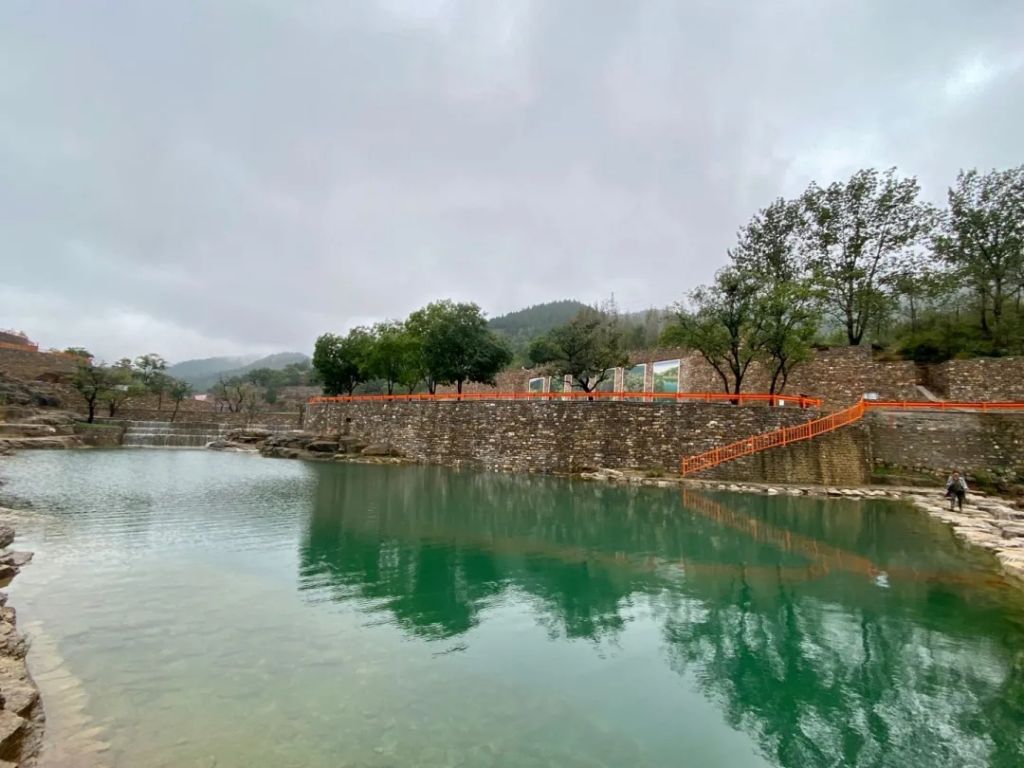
(150, 369)
(456, 345)
(725, 326)
(93, 382)
(341, 360)
(586, 348)
(78, 352)
(123, 385)
(768, 258)
(149, 366)
(395, 357)
(857, 235)
(982, 238)
(178, 390)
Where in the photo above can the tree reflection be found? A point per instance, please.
(774, 607)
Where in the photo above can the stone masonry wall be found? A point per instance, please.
(840, 458)
(551, 437)
(992, 378)
(941, 441)
(839, 375)
(29, 366)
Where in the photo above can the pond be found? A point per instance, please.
(192, 608)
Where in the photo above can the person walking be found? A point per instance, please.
(956, 490)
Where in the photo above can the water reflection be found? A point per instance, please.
(834, 633)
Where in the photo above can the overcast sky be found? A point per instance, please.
(203, 178)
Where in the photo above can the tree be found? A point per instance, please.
(982, 238)
(725, 326)
(178, 390)
(768, 258)
(586, 348)
(341, 360)
(395, 356)
(231, 392)
(93, 382)
(456, 345)
(122, 386)
(78, 352)
(150, 369)
(857, 236)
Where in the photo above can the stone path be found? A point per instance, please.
(988, 523)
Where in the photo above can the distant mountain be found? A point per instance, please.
(203, 374)
(208, 366)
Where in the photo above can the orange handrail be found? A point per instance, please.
(810, 429)
(706, 397)
(765, 440)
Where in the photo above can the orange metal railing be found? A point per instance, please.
(811, 429)
(700, 397)
(773, 439)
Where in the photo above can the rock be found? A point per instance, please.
(10, 725)
(772, 491)
(17, 559)
(7, 572)
(6, 535)
(18, 695)
(322, 446)
(1011, 529)
(379, 449)
(348, 444)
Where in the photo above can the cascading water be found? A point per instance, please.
(163, 434)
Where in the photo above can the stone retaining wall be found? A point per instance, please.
(938, 442)
(549, 436)
(993, 378)
(841, 458)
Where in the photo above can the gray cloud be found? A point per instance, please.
(199, 178)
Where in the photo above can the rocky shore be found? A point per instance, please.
(21, 710)
(305, 445)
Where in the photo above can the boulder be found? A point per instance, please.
(6, 535)
(322, 446)
(379, 449)
(349, 444)
(10, 726)
(17, 559)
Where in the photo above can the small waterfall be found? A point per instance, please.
(164, 434)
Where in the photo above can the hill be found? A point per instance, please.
(203, 374)
(524, 325)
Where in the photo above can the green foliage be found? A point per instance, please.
(395, 357)
(178, 390)
(78, 352)
(342, 360)
(93, 382)
(585, 348)
(982, 239)
(725, 326)
(858, 236)
(456, 345)
(768, 258)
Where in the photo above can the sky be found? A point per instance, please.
(200, 178)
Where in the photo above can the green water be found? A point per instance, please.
(227, 610)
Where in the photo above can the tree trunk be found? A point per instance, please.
(92, 409)
(174, 414)
(458, 386)
(111, 408)
(159, 401)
